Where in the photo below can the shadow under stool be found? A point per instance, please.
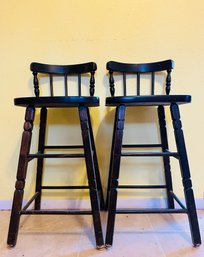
(81, 74)
(133, 75)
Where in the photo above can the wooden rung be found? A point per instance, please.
(152, 210)
(64, 147)
(65, 187)
(55, 212)
(142, 186)
(141, 145)
(129, 154)
(32, 156)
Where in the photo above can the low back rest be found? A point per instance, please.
(63, 71)
(137, 70)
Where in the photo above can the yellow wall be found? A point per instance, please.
(72, 31)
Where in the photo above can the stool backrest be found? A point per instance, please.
(64, 71)
(139, 69)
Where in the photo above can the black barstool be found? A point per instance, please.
(87, 150)
(120, 149)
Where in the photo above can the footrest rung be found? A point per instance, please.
(64, 147)
(142, 145)
(55, 212)
(38, 155)
(65, 187)
(142, 186)
(153, 154)
(141, 211)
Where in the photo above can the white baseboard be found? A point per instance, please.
(85, 203)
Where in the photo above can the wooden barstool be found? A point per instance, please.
(87, 150)
(160, 101)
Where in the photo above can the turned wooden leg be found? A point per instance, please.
(98, 178)
(94, 197)
(21, 176)
(114, 172)
(40, 162)
(166, 159)
(185, 173)
(110, 162)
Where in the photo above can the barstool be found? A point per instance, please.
(80, 73)
(120, 149)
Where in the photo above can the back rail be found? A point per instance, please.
(138, 69)
(65, 71)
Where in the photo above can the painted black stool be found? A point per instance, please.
(133, 150)
(87, 150)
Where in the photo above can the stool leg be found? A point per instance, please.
(114, 172)
(166, 159)
(21, 176)
(85, 127)
(185, 173)
(98, 178)
(110, 164)
(40, 162)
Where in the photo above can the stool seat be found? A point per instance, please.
(148, 100)
(58, 101)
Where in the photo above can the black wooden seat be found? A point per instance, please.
(87, 150)
(71, 101)
(147, 100)
(135, 73)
